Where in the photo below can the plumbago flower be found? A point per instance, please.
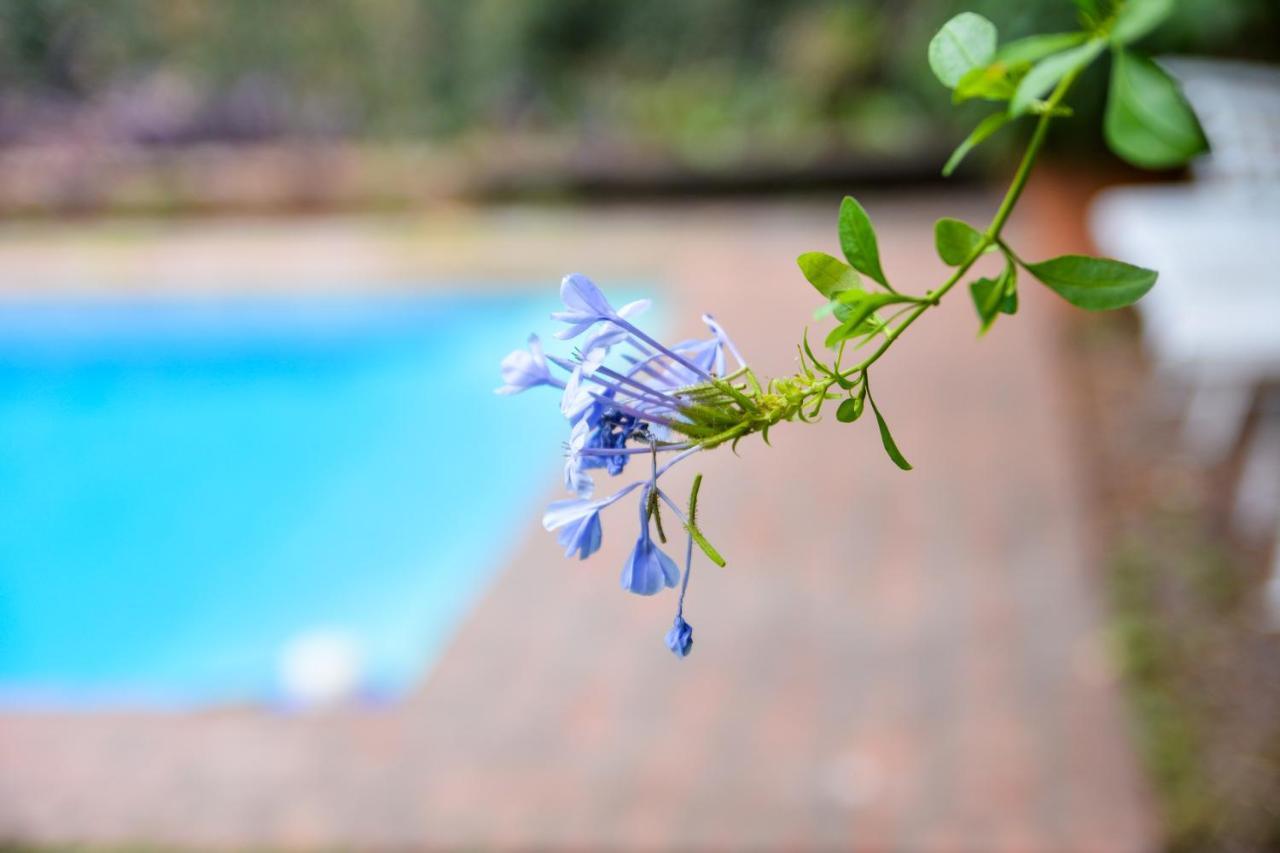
(625, 394)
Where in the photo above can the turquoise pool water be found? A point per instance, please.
(187, 487)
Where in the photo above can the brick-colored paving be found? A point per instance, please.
(891, 661)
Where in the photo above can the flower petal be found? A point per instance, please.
(634, 309)
(576, 401)
(580, 294)
(524, 369)
(576, 479)
(640, 574)
(667, 566)
(582, 537)
(567, 511)
(723, 337)
(607, 336)
(576, 324)
(647, 570)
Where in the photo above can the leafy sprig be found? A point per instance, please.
(1148, 123)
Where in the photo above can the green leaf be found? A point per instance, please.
(871, 324)
(1009, 304)
(1035, 48)
(956, 241)
(829, 275)
(993, 296)
(986, 300)
(989, 82)
(1096, 284)
(1148, 122)
(849, 410)
(840, 333)
(980, 134)
(1047, 73)
(890, 446)
(966, 41)
(843, 311)
(855, 309)
(1136, 18)
(858, 240)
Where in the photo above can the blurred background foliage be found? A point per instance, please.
(711, 83)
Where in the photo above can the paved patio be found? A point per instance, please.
(891, 661)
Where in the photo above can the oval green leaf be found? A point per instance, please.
(966, 41)
(956, 241)
(1047, 73)
(994, 296)
(858, 240)
(1148, 121)
(827, 274)
(849, 410)
(1136, 18)
(986, 299)
(1034, 48)
(988, 82)
(854, 309)
(1095, 284)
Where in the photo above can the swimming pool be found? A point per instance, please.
(213, 500)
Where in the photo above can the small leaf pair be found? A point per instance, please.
(1095, 284)
(839, 282)
(965, 59)
(831, 276)
(1148, 120)
(1133, 20)
(995, 296)
(851, 409)
(855, 309)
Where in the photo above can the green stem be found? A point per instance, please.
(1021, 176)
(989, 237)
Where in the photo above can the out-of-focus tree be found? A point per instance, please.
(708, 80)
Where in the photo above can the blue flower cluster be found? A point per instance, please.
(624, 394)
